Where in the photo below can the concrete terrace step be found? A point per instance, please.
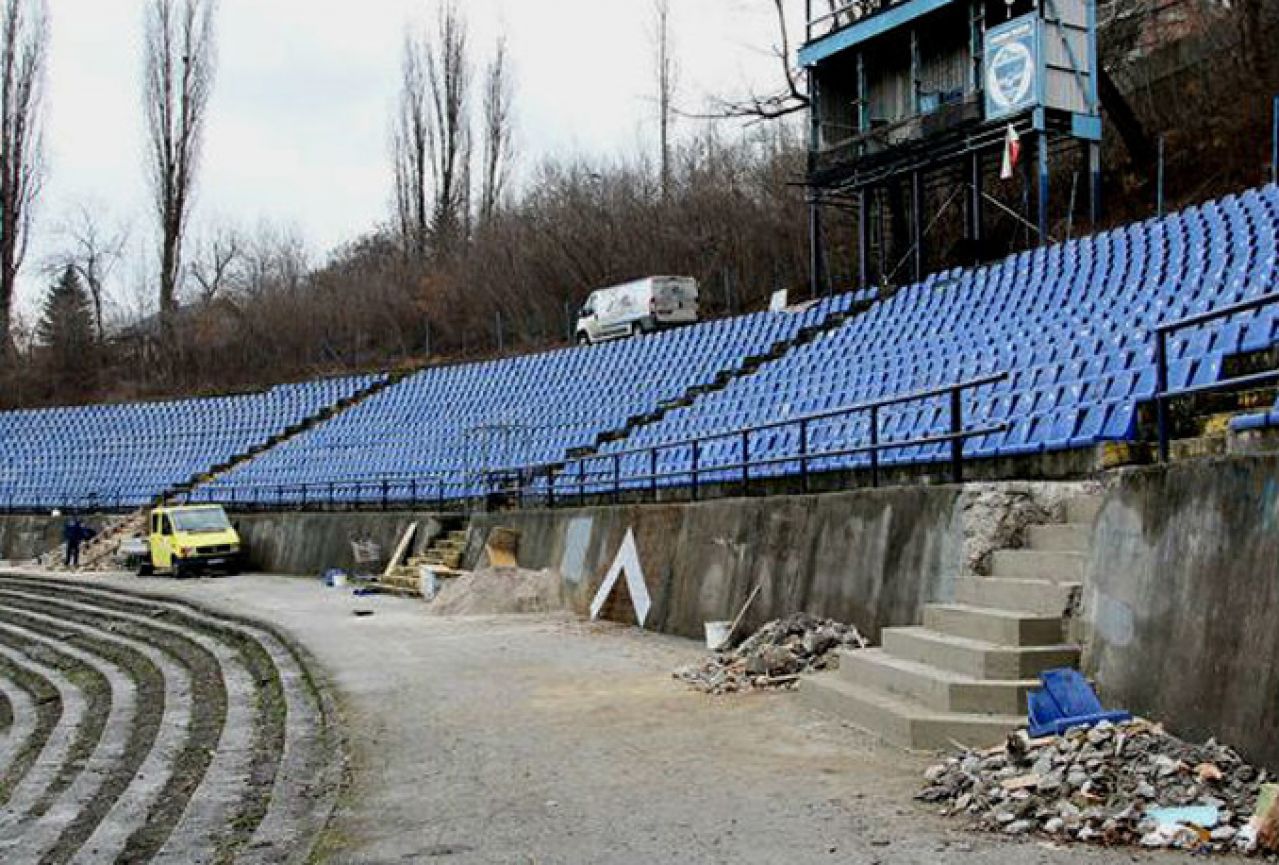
(1040, 564)
(936, 689)
(976, 658)
(1063, 538)
(900, 721)
(1083, 509)
(1044, 597)
(1001, 627)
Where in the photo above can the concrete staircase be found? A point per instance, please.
(963, 676)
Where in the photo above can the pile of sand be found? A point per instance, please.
(500, 591)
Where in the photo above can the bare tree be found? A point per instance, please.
(411, 149)
(215, 267)
(93, 247)
(497, 147)
(178, 74)
(667, 75)
(791, 98)
(448, 75)
(24, 44)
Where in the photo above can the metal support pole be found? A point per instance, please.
(617, 479)
(1274, 143)
(386, 491)
(746, 464)
(956, 443)
(874, 446)
(696, 456)
(975, 215)
(917, 223)
(550, 489)
(652, 472)
(803, 454)
(815, 260)
(1094, 173)
(1161, 393)
(863, 239)
(1159, 179)
(1043, 187)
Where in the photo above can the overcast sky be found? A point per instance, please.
(298, 127)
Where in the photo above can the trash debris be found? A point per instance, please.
(362, 614)
(335, 578)
(775, 656)
(1126, 784)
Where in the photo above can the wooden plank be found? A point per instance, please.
(400, 550)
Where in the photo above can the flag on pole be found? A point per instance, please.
(1012, 153)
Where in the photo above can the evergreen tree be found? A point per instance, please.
(65, 332)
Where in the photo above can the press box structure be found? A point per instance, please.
(904, 94)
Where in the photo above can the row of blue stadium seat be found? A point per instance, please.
(127, 455)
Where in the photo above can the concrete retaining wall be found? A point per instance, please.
(24, 538)
(1181, 616)
(872, 557)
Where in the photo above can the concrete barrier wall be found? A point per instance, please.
(1181, 613)
(872, 557)
(23, 538)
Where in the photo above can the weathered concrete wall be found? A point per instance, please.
(22, 538)
(311, 543)
(1181, 613)
(871, 557)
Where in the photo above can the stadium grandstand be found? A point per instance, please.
(1052, 349)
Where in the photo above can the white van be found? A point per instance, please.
(642, 306)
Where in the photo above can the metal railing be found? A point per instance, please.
(577, 477)
(840, 14)
(1164, 394)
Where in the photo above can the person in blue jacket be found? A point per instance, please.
(75, 533)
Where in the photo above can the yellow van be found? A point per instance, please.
(189, 540)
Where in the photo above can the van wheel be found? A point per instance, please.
(181, 570)
(146, 568)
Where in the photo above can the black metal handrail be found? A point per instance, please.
(1164, 394)
(956, 437)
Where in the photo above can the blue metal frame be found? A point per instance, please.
(876, 25)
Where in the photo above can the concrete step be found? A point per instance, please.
(1044, 597)
(931, 687)
(1083, 509)
(902, 722)
(976, 658)
(1063, 538)
(1039, 565)
(1001, 627)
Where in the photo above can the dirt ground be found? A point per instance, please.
(542, 739)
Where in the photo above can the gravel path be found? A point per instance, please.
(546, 740)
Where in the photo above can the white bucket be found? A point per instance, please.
(717, 634)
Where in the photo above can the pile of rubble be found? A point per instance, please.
(775, 656)
(1131, 784)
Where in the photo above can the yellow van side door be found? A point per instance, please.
(162, 541)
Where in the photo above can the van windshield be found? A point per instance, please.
(201, 522)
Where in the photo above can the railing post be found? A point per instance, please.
(413, 492)
(279, 496)
(303, 498)
(746, 465)
(581, 480)
(550, 488)
(386, 491)
(696, 455)
(652, 472)
(956, 430)
(803, 455)
(332, 495)
(441, 496)
(617, 478)
(1161, 392)
(874, 446)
